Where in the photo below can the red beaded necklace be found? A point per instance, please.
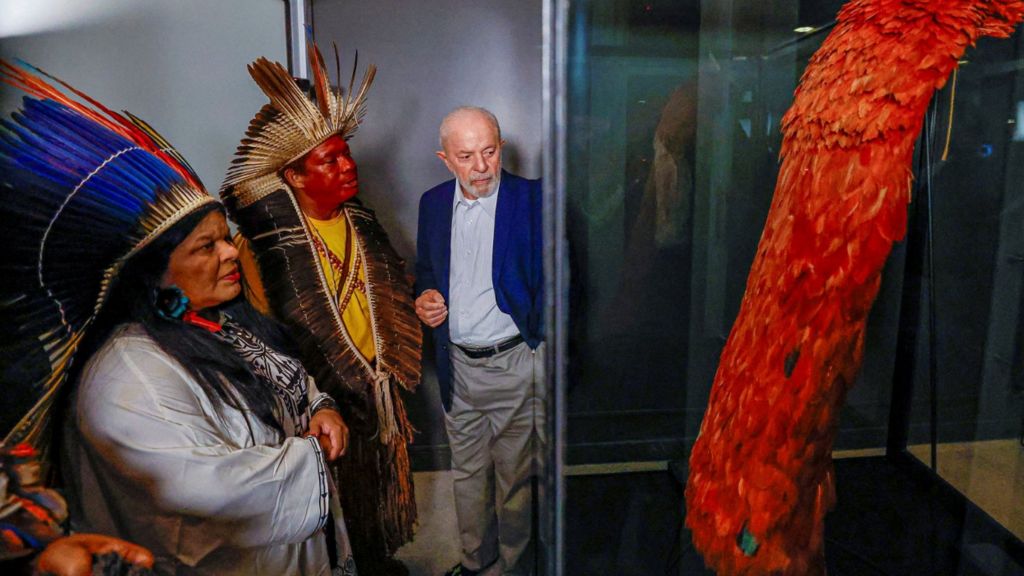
(348, 277)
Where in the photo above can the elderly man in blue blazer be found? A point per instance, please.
(480, 287)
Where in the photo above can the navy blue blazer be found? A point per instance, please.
(517, 268)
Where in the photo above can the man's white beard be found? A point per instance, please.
(492, 187)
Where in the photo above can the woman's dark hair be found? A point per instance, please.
(211, 362)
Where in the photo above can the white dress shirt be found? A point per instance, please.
(473, 315)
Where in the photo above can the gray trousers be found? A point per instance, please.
(496, 432)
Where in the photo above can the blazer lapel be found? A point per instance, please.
(446, 212)
(503, 222)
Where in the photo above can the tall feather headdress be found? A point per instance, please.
(291, 125)
(82, 189)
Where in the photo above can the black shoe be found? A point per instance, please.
(460, 570)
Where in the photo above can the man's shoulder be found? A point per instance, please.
(505, 174)
(516, 182)
(446, 188)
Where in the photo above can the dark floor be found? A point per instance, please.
(622, 524)
(890, 519)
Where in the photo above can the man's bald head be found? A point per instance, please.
(464, 113)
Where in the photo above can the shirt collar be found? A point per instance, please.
(489, 203)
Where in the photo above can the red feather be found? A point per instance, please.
(761, 469)
(131, 128)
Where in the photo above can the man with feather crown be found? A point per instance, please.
(316, 259)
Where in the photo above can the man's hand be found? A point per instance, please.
(430, 308)
(330, 429)
(73, 555)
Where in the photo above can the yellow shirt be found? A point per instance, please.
(335, 233)
(356, 315)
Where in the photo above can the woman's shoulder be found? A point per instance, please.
(131, 377)
(130, 358)
(127, 341)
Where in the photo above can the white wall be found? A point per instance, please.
(431, 57)
(178, 64)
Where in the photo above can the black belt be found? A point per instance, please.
(488, 351)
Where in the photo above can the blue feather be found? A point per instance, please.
(72, 193)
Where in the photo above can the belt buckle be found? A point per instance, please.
(493, 349)
(508, 344)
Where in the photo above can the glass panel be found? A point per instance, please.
(978, 247)
(629, 319)
(671, 156)
(672, 162)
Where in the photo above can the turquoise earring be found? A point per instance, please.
(170, 303)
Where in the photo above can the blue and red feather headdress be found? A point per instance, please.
(82, 189)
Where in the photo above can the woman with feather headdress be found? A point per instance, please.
(190, 430)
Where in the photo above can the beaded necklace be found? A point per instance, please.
(347, 277)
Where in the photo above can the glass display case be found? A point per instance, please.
(662, 155)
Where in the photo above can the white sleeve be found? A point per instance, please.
(316, 397)
(156, 434)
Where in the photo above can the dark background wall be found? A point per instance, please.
(431, 57)
(649, 318)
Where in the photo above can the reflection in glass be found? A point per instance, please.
(672, 155)
(978, 242)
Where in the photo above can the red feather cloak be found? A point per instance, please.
(761, 471)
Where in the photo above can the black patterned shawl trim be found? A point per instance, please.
(295, 286)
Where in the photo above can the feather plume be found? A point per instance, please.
(82, 188)
(290, 125)
(131, 128)
(321, 82)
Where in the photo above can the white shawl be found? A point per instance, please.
(209, 491)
